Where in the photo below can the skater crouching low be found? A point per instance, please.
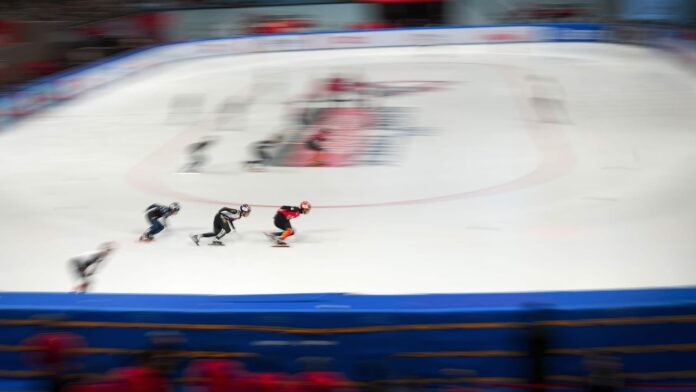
(85, 266)
(223, 223)
(282, 221)
(157, 216)
(263, 152)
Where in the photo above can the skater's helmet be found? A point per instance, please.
(174, 207)
(305, 207)
(244, 209)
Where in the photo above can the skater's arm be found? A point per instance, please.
(166, 215)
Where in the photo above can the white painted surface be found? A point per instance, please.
(503, 202)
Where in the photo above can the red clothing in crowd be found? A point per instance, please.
(8, 32)
(272, 382)
(52, 351)
(322, 381)
(139, 379)
(41, 67)
(93, 387)
(218, 375)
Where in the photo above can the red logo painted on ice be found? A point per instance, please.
(347, 133)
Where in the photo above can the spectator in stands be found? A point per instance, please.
(4, 74)
(54, 353)
(139, 379)
(315, 381)
(537, 341)
(273, 382)
(218, 375)
(161, 352)
(275, 24)
(9, 33)
(603, 371)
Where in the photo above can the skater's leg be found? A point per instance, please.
(286, 233)
(80, 269)
(81, 288)
(316, 152)
(155, 227)
(216, 228)
(224, 229)
(283, 224)
(197, 161)
(265, 158)
(219, 229)
(83, 273)
(317, 158)
(280, 222)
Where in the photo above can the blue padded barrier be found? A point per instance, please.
(378, 337)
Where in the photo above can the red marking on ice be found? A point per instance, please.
(348, 128)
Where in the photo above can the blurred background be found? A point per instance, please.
(39, 38)
(532, 347)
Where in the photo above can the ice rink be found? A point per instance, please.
(501, 168)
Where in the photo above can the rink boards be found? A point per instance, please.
(387, 339)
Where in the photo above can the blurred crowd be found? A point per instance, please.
(162, 366)
(163, 363)
(280, 24)
(42, 37)
(84, 11)
(558, 11)
(71, 11)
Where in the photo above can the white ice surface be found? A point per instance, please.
(493, 200)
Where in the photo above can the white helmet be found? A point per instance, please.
(244, 209)
(174, 206)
